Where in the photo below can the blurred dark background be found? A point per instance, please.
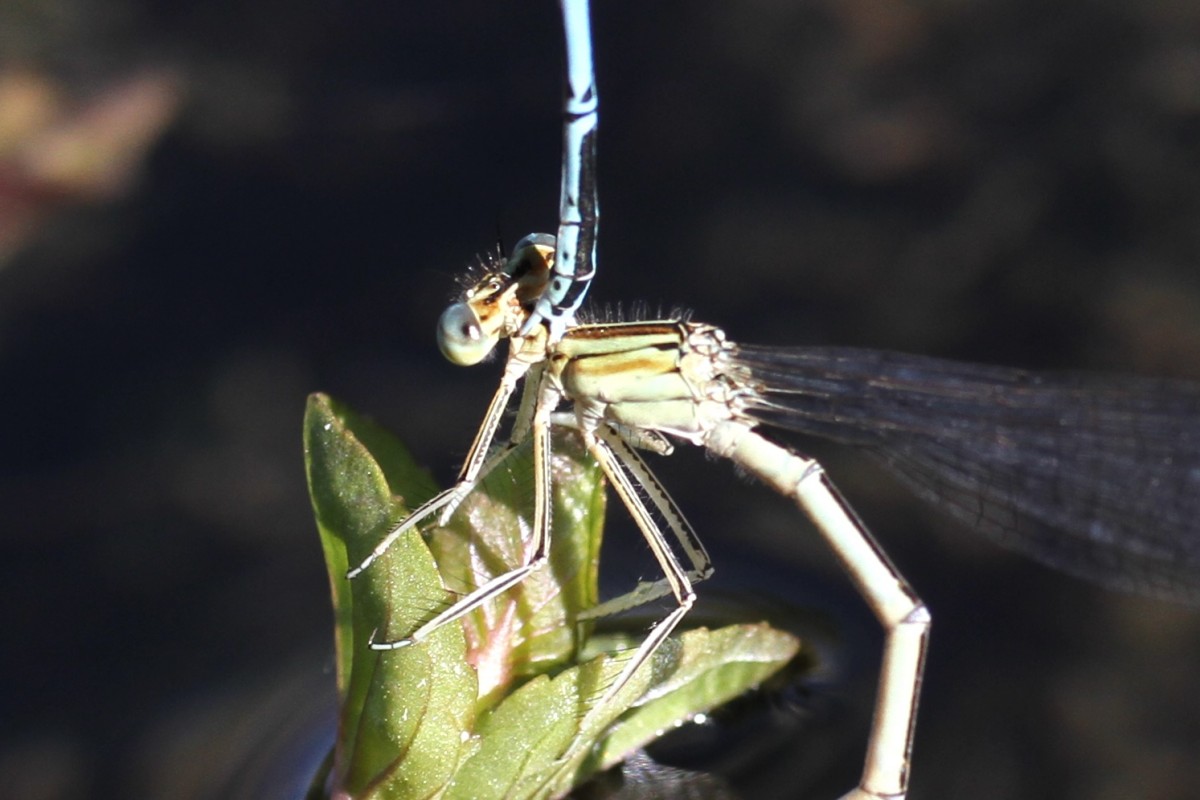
(208, 212)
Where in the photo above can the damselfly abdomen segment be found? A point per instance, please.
(579, 205)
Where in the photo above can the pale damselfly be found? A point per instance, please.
(1098, 477)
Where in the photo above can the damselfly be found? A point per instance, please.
(1100, 477)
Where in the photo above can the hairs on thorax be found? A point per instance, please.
(637, 311)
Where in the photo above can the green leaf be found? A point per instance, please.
(505, 704)
(695, 673)
(531, 628)
(552, 734)
(402, 713)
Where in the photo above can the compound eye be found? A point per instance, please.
(534, 240)
(461, 337)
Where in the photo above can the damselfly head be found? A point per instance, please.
(497, 304)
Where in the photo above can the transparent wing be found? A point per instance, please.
(1096, 476)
